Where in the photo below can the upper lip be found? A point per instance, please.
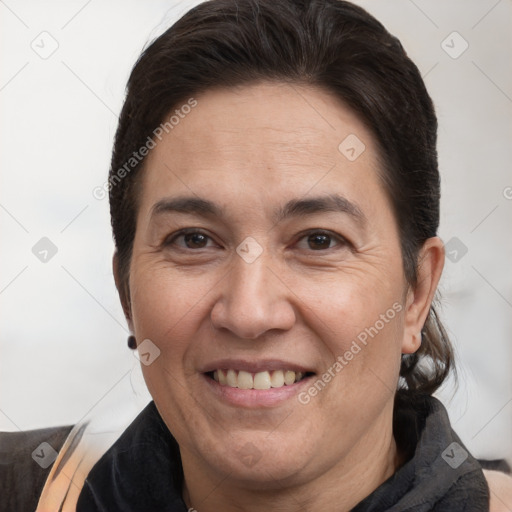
(254, 366)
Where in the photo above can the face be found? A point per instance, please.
(264, 253)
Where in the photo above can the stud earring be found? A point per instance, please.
(132, 342)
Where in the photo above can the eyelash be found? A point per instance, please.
(335, 237)
(190, 231)
(340, 240)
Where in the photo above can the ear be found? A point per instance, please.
(419, 298)
(122, 290)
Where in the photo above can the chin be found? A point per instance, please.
(256, 462)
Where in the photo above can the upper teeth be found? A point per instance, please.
(261, 380)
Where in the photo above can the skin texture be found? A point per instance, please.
(500, 486)
(251, 150)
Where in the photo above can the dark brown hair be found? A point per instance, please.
(331, 44)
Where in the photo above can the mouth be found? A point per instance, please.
(254, 384)
(261, 380)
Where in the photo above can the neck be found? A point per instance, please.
(341, 487)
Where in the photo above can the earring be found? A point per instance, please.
(132, 342)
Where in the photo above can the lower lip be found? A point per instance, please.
(253, 398)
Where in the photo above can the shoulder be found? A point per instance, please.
(26, 459)
(500, 487)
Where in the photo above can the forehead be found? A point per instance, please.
(267, 138)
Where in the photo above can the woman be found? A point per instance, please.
(274, 197)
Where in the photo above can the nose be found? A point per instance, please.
(253, 300)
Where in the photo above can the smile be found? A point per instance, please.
(261, 380)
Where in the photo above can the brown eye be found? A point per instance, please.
(195, 240)
(318, 241)
(321, 240)
(189, 239)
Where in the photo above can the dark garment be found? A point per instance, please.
(440, 475)
(25, 465)
(142, 471)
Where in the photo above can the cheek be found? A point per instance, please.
(168, 310)
(359, 322)
(167, 307)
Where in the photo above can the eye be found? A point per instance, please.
(320, 240)
(190, 240)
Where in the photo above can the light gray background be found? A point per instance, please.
(63, 336)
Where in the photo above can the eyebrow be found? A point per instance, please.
(191, 205)
(294, 208)
(330, 203)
